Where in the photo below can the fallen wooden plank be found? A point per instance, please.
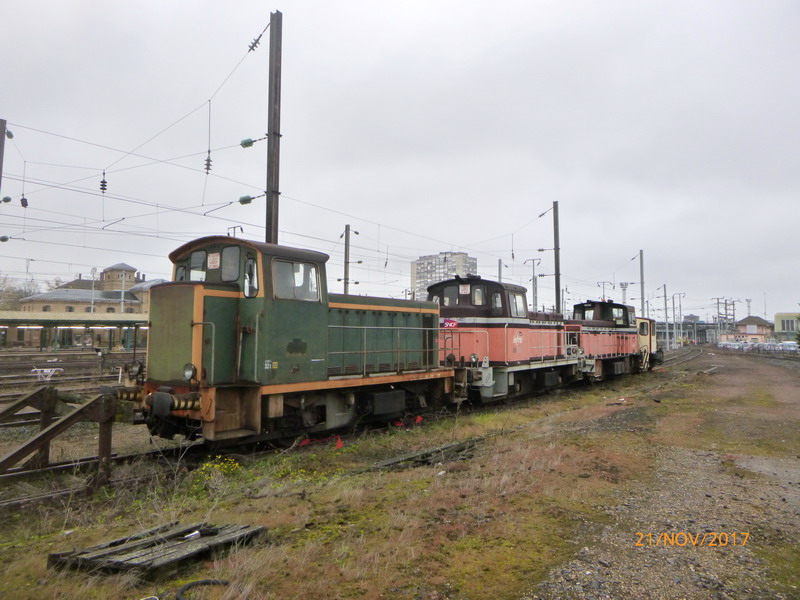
(154, 549)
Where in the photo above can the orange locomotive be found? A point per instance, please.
(500, 349)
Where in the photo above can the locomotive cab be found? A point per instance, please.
(472, 296)
(239, 315)
(596, 310)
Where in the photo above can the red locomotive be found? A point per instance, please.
(500, 349)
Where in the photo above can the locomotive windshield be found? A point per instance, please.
(203, 265)
(496, 298)
(605, 311)
(450, 295)
(478, 295)
(517, 304)
(461, 295)
(230, 264)
(296, 280)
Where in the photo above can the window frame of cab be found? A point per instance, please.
(516, 303)
(194, 266)
(280, 290)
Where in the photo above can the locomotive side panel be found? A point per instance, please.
(369, 335)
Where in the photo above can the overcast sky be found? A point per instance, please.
(671, 127)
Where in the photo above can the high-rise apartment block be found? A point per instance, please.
(427, 270)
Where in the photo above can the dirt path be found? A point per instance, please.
(720, 517)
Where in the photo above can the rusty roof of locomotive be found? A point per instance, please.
(262, 247)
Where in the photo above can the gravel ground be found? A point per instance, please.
(695, 492)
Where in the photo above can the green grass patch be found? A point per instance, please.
(783, 560)
(504, 561)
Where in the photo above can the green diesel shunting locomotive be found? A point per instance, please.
(247, 343)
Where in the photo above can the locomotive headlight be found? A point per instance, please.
(189, 371)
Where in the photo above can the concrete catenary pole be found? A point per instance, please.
(346, 258)
(557, 256)
(666, 317)
(2, 148)
(274, 126)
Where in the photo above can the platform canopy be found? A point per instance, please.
(66, 319)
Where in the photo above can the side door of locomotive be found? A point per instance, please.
(646, 340)
(251, 318)
(293, 344)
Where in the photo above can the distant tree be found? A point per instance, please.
(5, 291)
(55, 283)
(11, 293)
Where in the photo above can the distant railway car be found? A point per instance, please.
(247, 343)
(608, 338)
(500, 349)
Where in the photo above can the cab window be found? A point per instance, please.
(230, 264)
(197, 266)
(250, 278)
(517, 303)
(478, 295)
(497, 301)
(644, 328)
(450, 296)
(618, 315)
(295, 281)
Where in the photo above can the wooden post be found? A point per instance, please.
(47, 408)
(104, 454)
(104, 414)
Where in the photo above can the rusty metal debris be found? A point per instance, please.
(441, 454)
(156, 549)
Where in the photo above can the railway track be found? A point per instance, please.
(170, 458)
(74, 372)
(679, 358)
(11, 390)
(188, 455)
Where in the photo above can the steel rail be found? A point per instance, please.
(679, 359)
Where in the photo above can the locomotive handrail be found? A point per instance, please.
(213, 340)
(398, 352)
(555, 353)
(505, 343)
(444, 334)
(240, 350)
(255, 350)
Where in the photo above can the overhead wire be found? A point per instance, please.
(159, 207)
